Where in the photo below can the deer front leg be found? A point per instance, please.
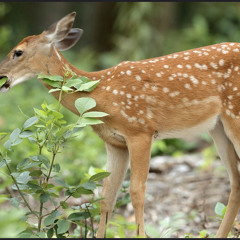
(117, 164)
(139, 150)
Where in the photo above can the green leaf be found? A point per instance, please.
(57, 115)
(51, 218)
(99, 176)
(23, 178)
(83, 122)
(64, 88)
(89, 185)
(32, 165)
(21, 187)
(64, 205)
(49, 186)
(23, 163)
(63, 226)
(3, 81)
(3, 162)
(34, 186)
(84, 104)
(82, 190)
(36, 173)
(94, 114)
(44, 197)
(220, 209)
(50, 233)
(52, 83)
(7, 144)
(54, 90)
(35, 158)
(74, 82)
(26, 235)
(203, 234)
(26, 134)
(19, 140)
(44, 160)
(79, 216)
(54, 78)
(56, 167)
(31, 121)
(14, 135)
(61, 182)
(41, 234)
(40, 113)
(89, 86)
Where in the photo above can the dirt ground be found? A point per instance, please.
(181, 198)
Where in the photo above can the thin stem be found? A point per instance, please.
(60, 95)
(91, 220)
(40, 217)
(20, 192)
(53, 158)
(41, 205)
(57, 207)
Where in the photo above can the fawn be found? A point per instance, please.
(165, 97)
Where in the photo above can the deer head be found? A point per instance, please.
(30, 57)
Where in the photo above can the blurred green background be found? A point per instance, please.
(113, 32)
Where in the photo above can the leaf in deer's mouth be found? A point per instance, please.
(3, 81)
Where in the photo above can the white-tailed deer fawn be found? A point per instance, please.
(171, 96)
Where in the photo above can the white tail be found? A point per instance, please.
(171, 96)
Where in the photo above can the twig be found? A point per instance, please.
(20, 192)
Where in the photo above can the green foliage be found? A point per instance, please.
(48, 130)
(3, 80)
(220, 210)
(12, 222)
(119, 226)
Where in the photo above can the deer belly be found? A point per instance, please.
(187, 131)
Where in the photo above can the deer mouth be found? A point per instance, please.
(4, 83)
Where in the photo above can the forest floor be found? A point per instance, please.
(181, 197)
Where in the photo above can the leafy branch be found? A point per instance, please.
(48, 130)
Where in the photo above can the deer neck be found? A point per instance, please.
(55, 66)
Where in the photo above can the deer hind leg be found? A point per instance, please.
(117, 164)
(139, 149)
(228, 149)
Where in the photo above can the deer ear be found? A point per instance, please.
(59, 30)
(70, 40)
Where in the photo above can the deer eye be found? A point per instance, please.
(17, 53)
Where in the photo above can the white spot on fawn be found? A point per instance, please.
(221, 62)
(187, 85)
(214, 65)
(115, 92)
(138, 78)
(194, 80)
(165, 90)
(129, 73)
